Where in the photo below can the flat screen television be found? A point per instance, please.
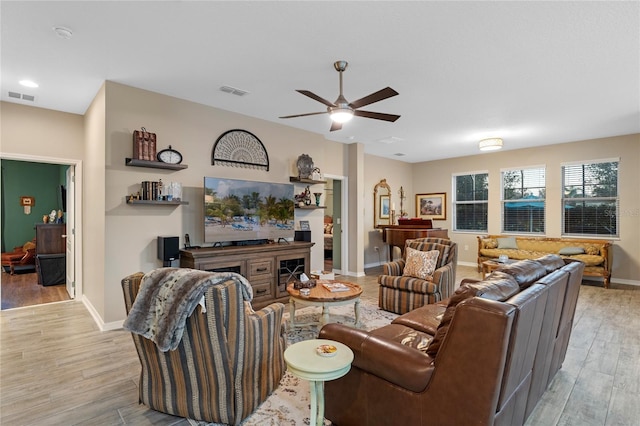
(242, 210)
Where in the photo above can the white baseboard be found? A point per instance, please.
(116, 325)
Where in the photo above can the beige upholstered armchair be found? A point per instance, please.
(227, 359)
(408, 283)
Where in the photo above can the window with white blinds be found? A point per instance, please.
(590, 200)
(523, 200)
(470, 201)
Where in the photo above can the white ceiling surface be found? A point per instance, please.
(533, 73)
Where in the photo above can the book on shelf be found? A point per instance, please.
(336, 287)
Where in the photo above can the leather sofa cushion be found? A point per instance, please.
(525, 272)
(425, 319)
(406, 335)
(551, 262)
(498, 286)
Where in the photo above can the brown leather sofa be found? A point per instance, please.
(483, 357)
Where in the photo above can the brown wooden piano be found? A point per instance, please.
(396, 235)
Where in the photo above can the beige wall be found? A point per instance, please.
(38, 132)
(398, 174)
(94, 233)
(192, 129)
(436, 176)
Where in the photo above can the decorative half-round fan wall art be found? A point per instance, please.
(240, 148)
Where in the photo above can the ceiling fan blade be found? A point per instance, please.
(303, 115)
(316, 97)
(385, 93)
(376, 115)
(335, 126)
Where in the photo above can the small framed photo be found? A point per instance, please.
(432, 206)
(304, 225)
(384, 207)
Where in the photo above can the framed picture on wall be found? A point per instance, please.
(432, 206)
(384, 206)
(304, 225)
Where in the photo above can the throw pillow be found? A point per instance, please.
(490, 243)
(420, 264)
(507, 243)
(593, 250)
(569, 251)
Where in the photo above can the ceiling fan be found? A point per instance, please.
(342, 111)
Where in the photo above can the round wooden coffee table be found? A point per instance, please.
(320, 296)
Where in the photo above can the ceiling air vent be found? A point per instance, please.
(233, 90)
(399, 154)
(22, 96)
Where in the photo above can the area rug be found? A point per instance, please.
(289, 404)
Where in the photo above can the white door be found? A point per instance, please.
(70, 220)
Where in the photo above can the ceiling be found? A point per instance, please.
(532, 73)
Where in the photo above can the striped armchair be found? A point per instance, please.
(229, 360)
(401, 294)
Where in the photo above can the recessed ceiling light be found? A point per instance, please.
(63, 32)
(233, 90)
(28, 83)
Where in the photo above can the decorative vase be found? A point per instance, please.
(317, 194)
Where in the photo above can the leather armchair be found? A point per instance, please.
(20, 256)
(401, 294)
(229, 360)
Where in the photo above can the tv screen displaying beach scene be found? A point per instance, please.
(243, 210)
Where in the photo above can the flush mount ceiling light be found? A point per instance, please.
(63, 32)
(28, 83)
(490, 144)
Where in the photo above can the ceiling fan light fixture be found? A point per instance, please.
(490, 144)
(341, 115)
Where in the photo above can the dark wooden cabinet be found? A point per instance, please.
(51, 249)
(50, 238)
(268, 267)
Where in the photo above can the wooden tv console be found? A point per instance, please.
(268, 267)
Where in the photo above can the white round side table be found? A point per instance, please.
(304, 362)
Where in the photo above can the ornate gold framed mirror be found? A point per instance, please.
(381, 204)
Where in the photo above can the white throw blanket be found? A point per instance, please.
(168, 296)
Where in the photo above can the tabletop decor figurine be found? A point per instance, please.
(305, 166)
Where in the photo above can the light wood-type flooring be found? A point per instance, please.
(57, 368)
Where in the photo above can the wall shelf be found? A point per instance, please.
(153, 164)
(296, 179)
(312, 207)
(157, 202)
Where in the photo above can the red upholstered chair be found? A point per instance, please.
(20, 256)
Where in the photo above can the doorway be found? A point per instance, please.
(334, 224)
(50, 186)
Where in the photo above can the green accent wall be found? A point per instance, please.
(22, 178)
